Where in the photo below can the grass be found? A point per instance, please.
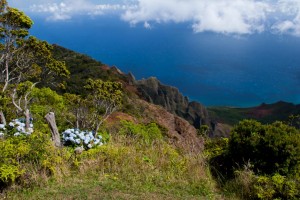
(98, 188)
(128, 168)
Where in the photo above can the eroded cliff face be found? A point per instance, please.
(151, 90)
(179, 132)
(173, 101)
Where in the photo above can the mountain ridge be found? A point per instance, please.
(168, 97)
(265, 113)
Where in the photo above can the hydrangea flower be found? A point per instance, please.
(2, 126)
(17, 134)
(19, 126)
(77, 138)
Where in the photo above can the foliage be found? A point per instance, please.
(270, 156)
(247, 185)
(23, 157)
(158, 166)
(91, 111)
(129, 160)
(82, 67)
(79, 111)
(270, 149)
(45, 100)
(106, 98)
(136, 156)
(147, 133)
(23, 57)
(264, 113)
(215, 147)
(203, 130)
(227, 115)
(294, 120)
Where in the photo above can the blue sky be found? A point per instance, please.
(219, 52)
(231, 17)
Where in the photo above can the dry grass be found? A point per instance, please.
(127, 168)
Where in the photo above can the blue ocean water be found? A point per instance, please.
(214, 69)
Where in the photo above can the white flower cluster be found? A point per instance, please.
(2, 130)
(19, 126)
(85, 138)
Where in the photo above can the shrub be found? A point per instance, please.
(147, 133)
(271, 154)
(24, 158)
(270, 149)
(276, 187)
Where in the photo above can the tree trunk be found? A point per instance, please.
(77, 119)
(27, 119)
(2, 118)
(97, 128)
(50, 117)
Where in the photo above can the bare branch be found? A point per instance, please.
(14, 102)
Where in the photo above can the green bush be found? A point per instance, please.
(23, 157)
(44, 101)
(276, 187)
(147, 133)
(247, 185)
(271, 149)
(259, 162)
(215, 147)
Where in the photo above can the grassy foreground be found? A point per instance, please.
(129, 166)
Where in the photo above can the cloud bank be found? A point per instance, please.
(290, 20)
(220, 16)
(64, 10)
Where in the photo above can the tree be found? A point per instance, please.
(21, 98)
(23, 57)
(106, 98)
(79, 115)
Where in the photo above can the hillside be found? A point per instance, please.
(150, 90)
(150, 150)
(74, 128)
(83, 67)
(147, 151)
(265, 113)
(219, 119)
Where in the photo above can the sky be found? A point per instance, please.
(219, 52)
(236, 17)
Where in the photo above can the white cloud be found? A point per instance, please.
(237, 17)
(289, 22)
(66, 9)
(57, 11)
(223, 16)
(147, 25)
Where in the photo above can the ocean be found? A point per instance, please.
(214, 69)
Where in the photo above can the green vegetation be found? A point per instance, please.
(81, 68)
(129, 165)
(265, 113)
(227, 115)
(129, 157)
(136, 157)
(260, 161)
